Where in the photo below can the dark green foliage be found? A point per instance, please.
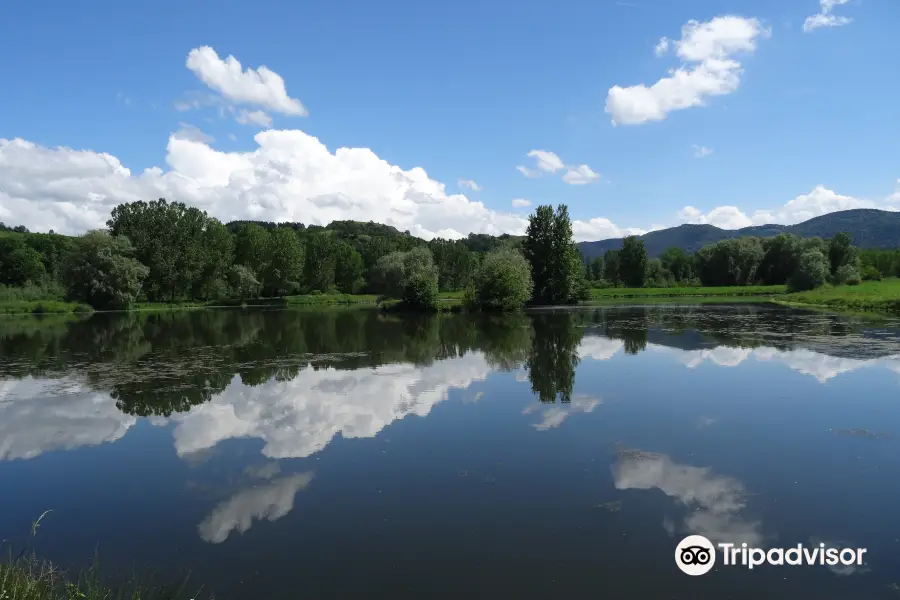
(611, 267)
(320, 262)
(20, 266)
(841, 252)
(408, 276)
(870, 273)
(730, 262)
(348, 269)
(556, 268)
(501, 283)
(678, 264)
(633, 262)
(171, 239)
(284, 262)
(102, 272)
(812, 271)
(455, 262)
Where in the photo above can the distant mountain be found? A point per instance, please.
(868, 228)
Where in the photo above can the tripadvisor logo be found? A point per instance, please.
(696, 555)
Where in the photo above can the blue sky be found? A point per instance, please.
(801, 122)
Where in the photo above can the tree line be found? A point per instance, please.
(785, 259)
(163, 251)
(168, 252)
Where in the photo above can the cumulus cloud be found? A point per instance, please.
(701, 151)
(262, 86)
(599, 348)
(662, 47)
(554, 415)
(253, 117)
(468, 183)
(715, 502)
(546, 161)
(710, 69)
(42, 415)
(822, 367)
(271, 502)
(289, 176)
(825, 17)
(521, 203)
(818, 202)
(580, 175)
(297, 418)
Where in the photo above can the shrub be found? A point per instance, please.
(812, 271)
(871, 273)
(846, 274)
(501, 283)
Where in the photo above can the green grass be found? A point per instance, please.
(688, 292)
(880, 296)
(22, 307)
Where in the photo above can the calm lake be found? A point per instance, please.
(555, 454)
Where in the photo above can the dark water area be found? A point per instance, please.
(555, 454)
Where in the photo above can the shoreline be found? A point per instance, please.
(871, 296)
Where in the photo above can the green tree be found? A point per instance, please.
(678, 263)
(595, 269)
(321, 259)
(611, 267)
(656, 275)
(170, 239)
(842, 252)
(251, 249)
(408, 276)
(556, 269)
(20, 266)
(554, 356)
(243, 282)
(812, 272)
(501, 283)
(102, 271)
(781, 255)
(348, 269)
(284, 266)
(633, 262)
(730, 262)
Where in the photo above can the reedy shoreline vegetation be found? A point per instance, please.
(157, 254)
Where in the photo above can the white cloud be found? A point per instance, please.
(556, 414)
(468, 183)
(192, 134)
(599, 348)
(662, 47)
(42, 415)
(260, 86)
(818, 202)
(254, 117)
(580, 175)
(289, 176)
(521, 203)
(715, 502)
(297, 418)
(531, 174)
(708, 50)
(825, 17)
(701, 151)
(546, 161)
(232, 137)
(270, 501)
(600, 228)
(822, 367)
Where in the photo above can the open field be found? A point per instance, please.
(881, 296)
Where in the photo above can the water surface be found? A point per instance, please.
(558, 454)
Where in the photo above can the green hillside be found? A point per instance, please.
(868, 228)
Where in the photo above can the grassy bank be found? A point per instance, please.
(880, 296)
(37, 307)
(688, 292)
